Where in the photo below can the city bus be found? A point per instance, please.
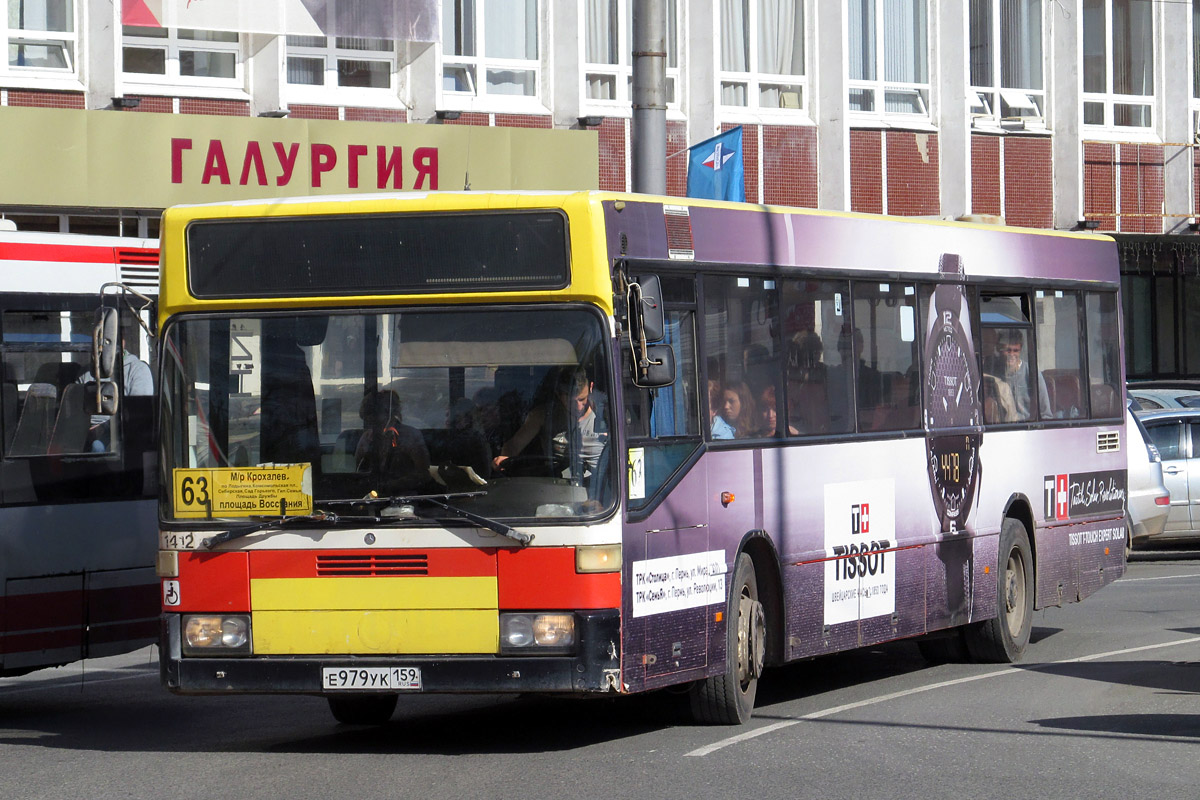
(589, 443)
(77, 490)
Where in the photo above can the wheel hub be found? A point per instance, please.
(752, 639)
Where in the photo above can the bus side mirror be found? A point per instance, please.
(657, 369)
(648, 309)
(104, 344)
(101, 398)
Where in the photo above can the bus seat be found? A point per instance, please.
(36, 421)
(72, 422)
(808, 407)
(59, 373)
(1104, 401)
(1063, 385)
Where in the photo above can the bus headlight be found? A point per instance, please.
(216, 635)
(530, 634)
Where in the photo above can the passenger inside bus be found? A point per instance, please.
(738, 410)
(719, 428)
(388, 448)
(1008, 385)
(808, 399)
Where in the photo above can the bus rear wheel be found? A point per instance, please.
(728, 698)
(363, 709)
(1002, 640)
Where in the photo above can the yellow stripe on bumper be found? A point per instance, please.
(372, 632)
(346, 594)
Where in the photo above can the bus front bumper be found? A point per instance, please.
(593, 667)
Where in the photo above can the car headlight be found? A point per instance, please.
(532, 634)
(216, 634)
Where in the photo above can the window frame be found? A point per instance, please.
(754, 80)
(478, 65)
(1110, 100)
(171, 80)
(45, 77)
(880, 87)
(987, 107)
(330, 91)
(621, 73)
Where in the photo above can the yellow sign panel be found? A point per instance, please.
(59, 157)
(243, 491)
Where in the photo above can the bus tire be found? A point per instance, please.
(363, 709)
(728, 698)
(1002, 640)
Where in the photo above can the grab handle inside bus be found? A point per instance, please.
(104, 343)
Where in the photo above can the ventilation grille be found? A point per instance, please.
(1108, 441)
(368, 564)
(138, 268)
(679, 232)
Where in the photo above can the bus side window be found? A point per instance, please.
(818, 390)
(1059, 330)
(1104, 367)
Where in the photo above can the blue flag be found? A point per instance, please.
(715, 168)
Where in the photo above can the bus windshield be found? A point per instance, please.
(506, 408)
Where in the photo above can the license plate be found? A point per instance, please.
(370, 678)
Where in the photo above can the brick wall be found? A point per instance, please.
(789, 165)
(985, 174)
(677, 161)
(155, 105)
(542, 122)
(1141, 188)
(912, 174)
(1100, 184)
(613, 154)
(1029, 181)
(866, 171)
(20, 97)
(376, 115)
(218, 108)
(300, 111)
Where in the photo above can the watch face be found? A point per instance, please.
(951, 405)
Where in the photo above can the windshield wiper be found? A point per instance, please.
(484, 522)
(275, 522)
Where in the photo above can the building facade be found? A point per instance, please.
(1064, 114)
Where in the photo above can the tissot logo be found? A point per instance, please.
(860, 518)
(1069, 496)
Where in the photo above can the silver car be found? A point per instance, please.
(1149, 500)
(1176, 435)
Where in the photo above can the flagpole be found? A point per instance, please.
(649, 129)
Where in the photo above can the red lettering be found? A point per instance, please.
(355, 151)
(324, 158)
(214, 164)
(253, 155)
(425, 162)
(389, 166)
(287, 161)
(177, 148)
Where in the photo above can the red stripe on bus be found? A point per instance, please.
(136, 630)
(545, 578)
(44, 640)
(213, 582)
(24, 612)
(120, 603)
(856, 555)
(75, 253)
(457, 562)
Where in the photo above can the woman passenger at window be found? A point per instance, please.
(738, 410)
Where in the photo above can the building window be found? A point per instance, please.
(41, 35)
(319, 63)
(608, 53)
(181, 56)
(889, 57)
(490, 49)
(1118, 63)
(1006, 43)
(762, 54)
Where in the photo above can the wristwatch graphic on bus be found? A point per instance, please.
(951, 400)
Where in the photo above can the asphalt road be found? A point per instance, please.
(1106, 704)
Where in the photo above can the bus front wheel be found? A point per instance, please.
(363, 709)
(1002, 640)
(728, 698)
